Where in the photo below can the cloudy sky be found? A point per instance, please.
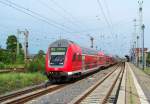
(110, 22)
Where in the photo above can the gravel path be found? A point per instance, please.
(132, 96)
(143, 80)
(68, 93)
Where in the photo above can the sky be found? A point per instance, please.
(110, 22)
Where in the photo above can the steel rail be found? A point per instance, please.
(30, 96)
(21, 92)
(113, 85)
(92, 88)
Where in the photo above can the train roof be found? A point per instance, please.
(65, 43)
(89, 51)
(61, 43)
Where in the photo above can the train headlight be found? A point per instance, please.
(55, 68)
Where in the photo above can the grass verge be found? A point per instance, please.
(147, 70)
(14, 81)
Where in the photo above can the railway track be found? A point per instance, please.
(103, 91)
(31, 93)
(20, 92)
(24, 96)
(5, 71)
(8, 70)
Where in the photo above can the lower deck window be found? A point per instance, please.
(57, 56)
(57, 59)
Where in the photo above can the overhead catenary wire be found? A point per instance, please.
(34, 15)
(40, 15)
(101, 8)
(44, 19)
(105, 18)
(108, 12)
(68, 14)
(69, 20)
(109, 16)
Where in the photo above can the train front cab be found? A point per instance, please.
(66, 65)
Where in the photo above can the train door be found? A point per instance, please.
(83, 62)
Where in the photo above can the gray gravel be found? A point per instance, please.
(143, 80)
(68, 93)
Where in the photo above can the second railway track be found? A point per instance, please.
(101, 92)
(68, 93)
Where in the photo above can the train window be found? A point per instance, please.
(57, 59)
(74, 57)
(57, 56)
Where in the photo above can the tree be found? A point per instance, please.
(40, 54)
(38, 62)
(11, 43)
(5, 56)
(12, 47)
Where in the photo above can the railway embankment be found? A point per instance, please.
(15, 81)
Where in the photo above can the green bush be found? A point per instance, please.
(31, 67)
(147, 70)
(20, 59)
(36, 65)
(2, 65)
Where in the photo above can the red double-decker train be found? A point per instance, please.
(66, 59)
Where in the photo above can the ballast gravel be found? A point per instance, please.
(68, 93)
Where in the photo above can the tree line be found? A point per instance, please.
(9, 56)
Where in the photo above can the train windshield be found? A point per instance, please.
(57, 56)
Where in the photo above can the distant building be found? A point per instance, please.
(138, 55)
